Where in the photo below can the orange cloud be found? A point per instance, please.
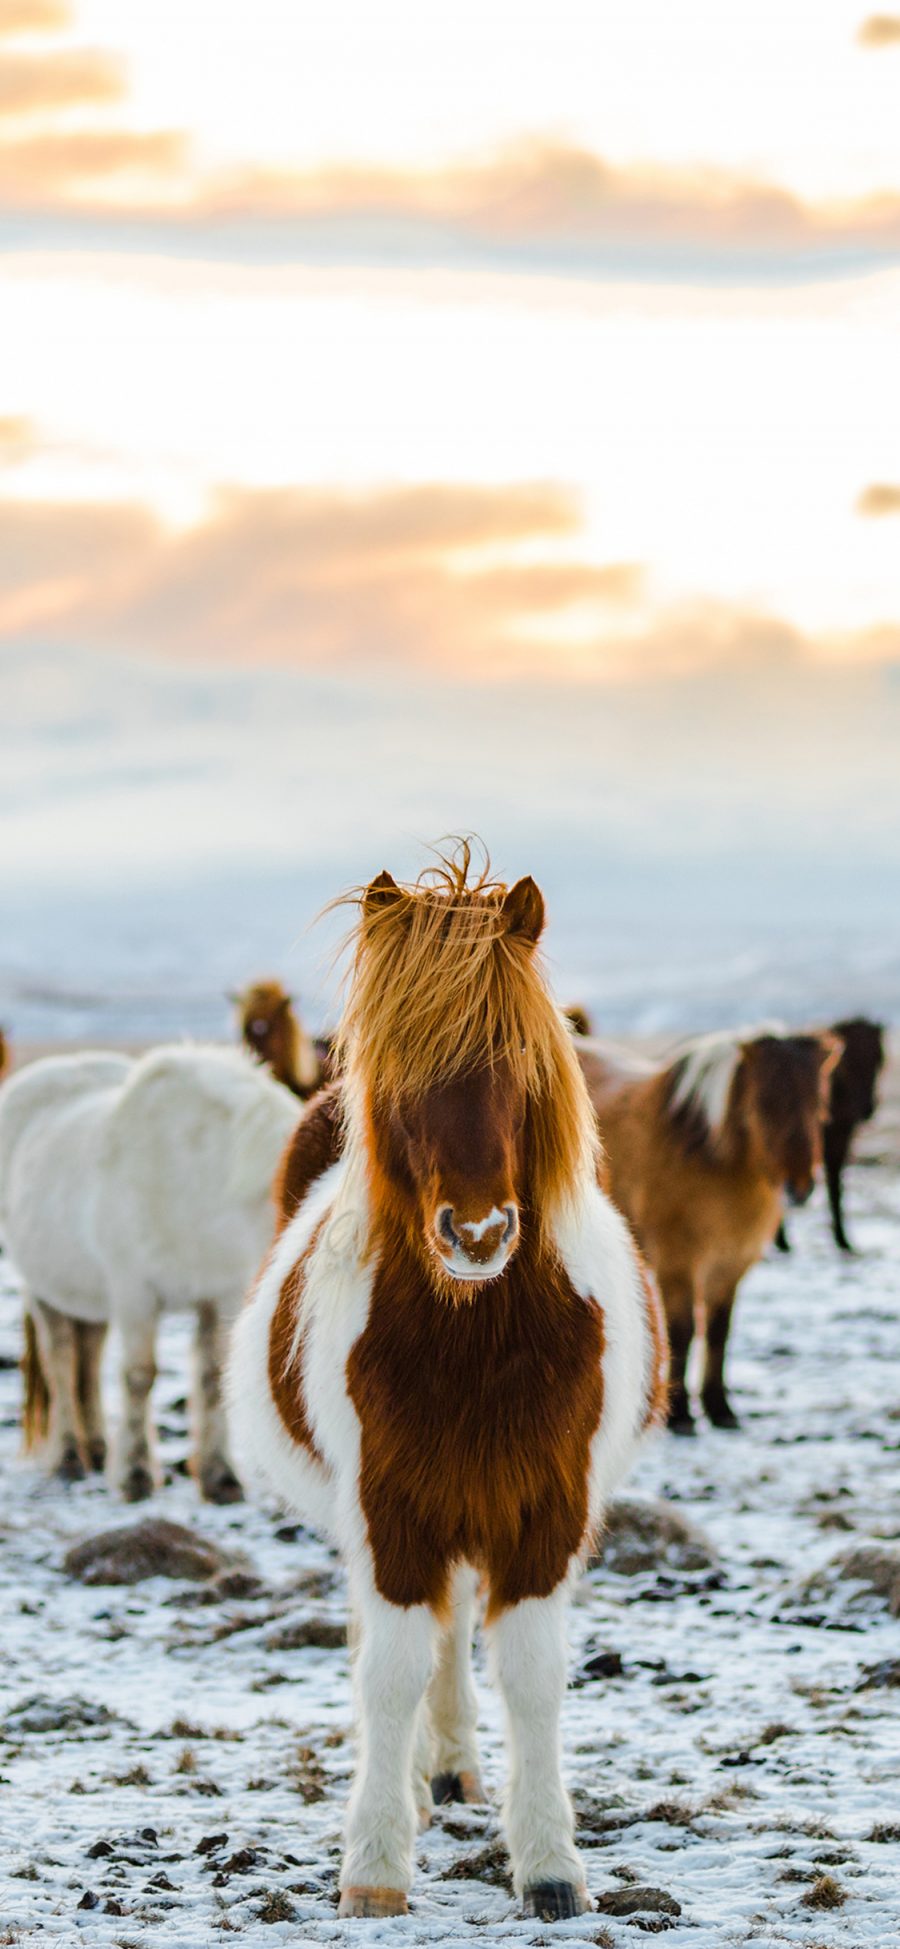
(314, 579)
(33, 82)
(32, 17)
(51, 167)
(18, 439)
(881, 498)
(306, 577)
(539, 206)
(543, 195)
(880, 30)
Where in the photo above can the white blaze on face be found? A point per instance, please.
(476, 1228)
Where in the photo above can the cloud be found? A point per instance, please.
(18, 439)
(310, 578)
(539, 206)
(460, 582)
(553, 205)
(299, 575)
(30, 83)
(56, 167)
(879, 499)
(880, 30)
(32, 17)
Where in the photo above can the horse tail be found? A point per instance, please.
(36, 1403)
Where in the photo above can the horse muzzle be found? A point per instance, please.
(476, 1248)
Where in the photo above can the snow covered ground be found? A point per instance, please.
(735, 1745)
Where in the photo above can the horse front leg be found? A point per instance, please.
(218, 1482)
(529, 1657)
(720, 1299)
(58, 1347)
(837, 1147)
(91, 1339)
(678, 1296)
(135, 1472)
(452, 1705)
(392, 1666)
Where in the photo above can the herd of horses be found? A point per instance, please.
(494, 1238)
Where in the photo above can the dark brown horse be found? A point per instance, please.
(853, 1101)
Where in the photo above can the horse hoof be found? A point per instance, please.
(719, 1411)
(97, 1455)
(681, 1424)
(70, 1467)
(724, 1418)
(373, 1902)
(137, 1485)
(220, 1485)
(464, 1788)
(554, 1901)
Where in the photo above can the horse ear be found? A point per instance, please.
(382, 892)
(523, 909)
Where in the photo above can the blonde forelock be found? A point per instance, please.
(440, 986)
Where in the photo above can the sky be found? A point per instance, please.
(417, 420)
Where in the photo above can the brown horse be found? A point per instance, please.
(269, 1026)
(700, 1152)
(853, 1100)
(448, 1361)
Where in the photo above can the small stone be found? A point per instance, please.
(40, 1714)
(856, 1584)
(308, 1633)
(638, 1901)
(639, 1537)
(151, 1548)
(885, 1675)
(603, 1664)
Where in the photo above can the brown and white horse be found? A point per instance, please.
(448, 1361)
(700, 1152)
(270, 1028)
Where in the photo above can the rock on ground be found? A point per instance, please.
(151, 1548)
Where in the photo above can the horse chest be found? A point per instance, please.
(476, 1425)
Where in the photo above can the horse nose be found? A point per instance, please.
(446, 1229)
(799, 1194)
(478, 1239)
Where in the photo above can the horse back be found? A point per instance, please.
(53, 1118)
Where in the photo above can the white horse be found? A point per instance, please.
(129, 1189)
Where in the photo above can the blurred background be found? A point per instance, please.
(425, 420)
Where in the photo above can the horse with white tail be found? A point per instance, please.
(128, 1190)
(448, 1362)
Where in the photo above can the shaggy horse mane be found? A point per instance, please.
(700, 1076)
(445, 983)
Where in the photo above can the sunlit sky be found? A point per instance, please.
(548, 346)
